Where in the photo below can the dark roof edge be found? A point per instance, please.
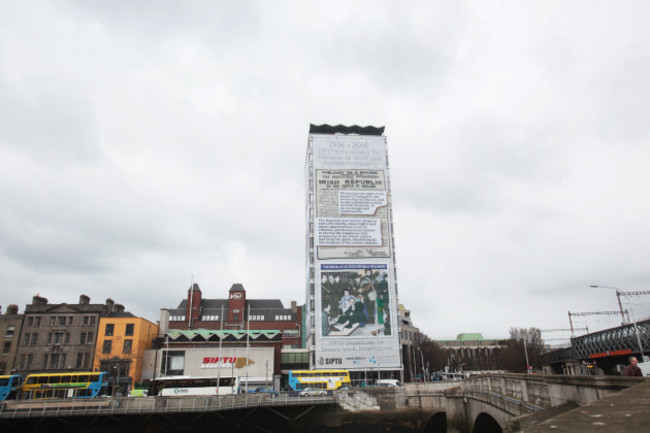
(342, 129)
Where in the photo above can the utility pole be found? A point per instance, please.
(589, 313)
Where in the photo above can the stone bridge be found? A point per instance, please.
(510, 402)
(487, 403)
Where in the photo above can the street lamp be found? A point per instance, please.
(619, 292)
(526, 353)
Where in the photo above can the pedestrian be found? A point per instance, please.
(632, 369)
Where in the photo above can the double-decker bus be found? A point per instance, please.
(65, 385)
(194, 385)
(10, 386)
(319, 379)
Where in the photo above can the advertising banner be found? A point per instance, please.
(355, 310)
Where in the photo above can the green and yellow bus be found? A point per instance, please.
(65, 385)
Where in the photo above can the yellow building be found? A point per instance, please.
(121, 342)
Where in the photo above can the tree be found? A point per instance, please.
(522, 342)
(434, 357)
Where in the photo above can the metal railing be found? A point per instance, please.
(149, 405)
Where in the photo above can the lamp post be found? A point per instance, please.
(619, 292)
(526, 353)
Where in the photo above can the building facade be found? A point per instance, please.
(58, 337)
(121, 343)
(225, 337)
(470, 351)
(415, 368)
(351, 283)
(10, 329)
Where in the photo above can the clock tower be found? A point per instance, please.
(236, 304)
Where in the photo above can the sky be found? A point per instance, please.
(145, 145)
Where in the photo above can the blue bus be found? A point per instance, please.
(65, 385)
(10, 386)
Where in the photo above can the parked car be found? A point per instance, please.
(313, 392)
(264, 390)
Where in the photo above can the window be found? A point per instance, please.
(37, 321)
(54, 360)
(9, 333)
(108, 345)
(67, 338)
(283, 317)
(61, 320)
(63, 356)
(88, 321)
(52, 321)
(89, 339)
(80, 357)
(176, 318)
(128, 344)
(129, 329)
(27, 339)
(30, 360)
(49, 338)
(7, 347)
(34, 338)
(30, 321)
(212, 318)
(58, 337)
(109, 330)
(173, 362)
(235, 317)
(69, 320)
(82, 340)
(45, 359)
(257, 317)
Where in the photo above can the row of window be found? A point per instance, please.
(108, 346)
(31, 338)
(55, 361)
(215, 318)
(35, 321)
(110, 329)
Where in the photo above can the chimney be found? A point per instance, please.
(163, 325)
(109, 305)
(12, 309)
(84, 300)
(39, 300)
(119, 308)
(294, 306)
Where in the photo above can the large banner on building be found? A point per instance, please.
(355, 312)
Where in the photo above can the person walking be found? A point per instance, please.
(632, 369)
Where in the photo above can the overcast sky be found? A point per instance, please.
(143, 143)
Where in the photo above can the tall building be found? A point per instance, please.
(351, 287)
(121, 343)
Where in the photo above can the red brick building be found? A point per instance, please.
(201, 329)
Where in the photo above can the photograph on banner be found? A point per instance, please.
(351, 214)
(355, 301)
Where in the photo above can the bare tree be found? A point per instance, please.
(522, 343)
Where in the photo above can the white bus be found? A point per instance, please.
(178, 386)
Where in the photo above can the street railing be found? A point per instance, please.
(149, 405)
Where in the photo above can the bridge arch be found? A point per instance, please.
(437, 423)
(484, 423)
